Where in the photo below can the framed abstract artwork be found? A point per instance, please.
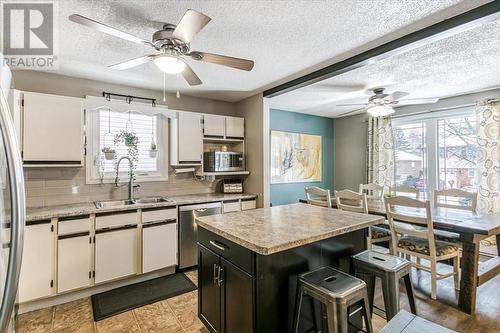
(295, 157)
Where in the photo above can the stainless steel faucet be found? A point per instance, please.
(131, 179)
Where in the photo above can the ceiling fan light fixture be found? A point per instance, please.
(380, 110)
(169, 64)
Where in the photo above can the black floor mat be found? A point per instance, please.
(126, 298)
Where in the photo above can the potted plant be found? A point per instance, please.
(109, 153)
(130, 140)
(153, 150)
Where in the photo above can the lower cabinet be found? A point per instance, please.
(37, 268)
(74, 261)
(116, 253)
(159, 245)
(225, 293)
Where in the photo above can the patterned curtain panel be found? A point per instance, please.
(380, 166)
(488, 157)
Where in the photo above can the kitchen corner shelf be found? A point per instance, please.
(225, 173)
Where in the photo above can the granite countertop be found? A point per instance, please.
(41, 213)
(270, 230)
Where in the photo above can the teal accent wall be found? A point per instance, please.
(282, 194)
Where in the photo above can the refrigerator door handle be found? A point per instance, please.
(18, 212)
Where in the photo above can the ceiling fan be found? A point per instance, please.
(381, 104)
(173, 44)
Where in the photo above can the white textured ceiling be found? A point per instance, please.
(463, 63)
(283, 37)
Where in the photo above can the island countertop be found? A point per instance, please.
(270, 230)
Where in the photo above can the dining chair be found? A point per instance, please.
(419, 242)
(372, 191)
(405, 190)
(318, 196)
(450, 198)
(357, 202)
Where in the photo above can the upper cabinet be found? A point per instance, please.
(52, 130)
(223, 127)
(186, 139)
(235, 128)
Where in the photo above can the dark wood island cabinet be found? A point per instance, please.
(248, 263)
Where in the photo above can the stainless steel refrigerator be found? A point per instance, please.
(12, 206)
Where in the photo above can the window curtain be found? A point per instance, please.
(380, 155)
(488, 157)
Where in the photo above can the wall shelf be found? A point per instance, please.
(225, 173)
(221, 140)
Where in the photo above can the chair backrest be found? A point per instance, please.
(404, 209)
(372, 191)
(351, 201)
(406, 191)
(318, 196)
(470, 202)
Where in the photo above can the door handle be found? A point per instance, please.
(216, 273)
(220, 272)
(218, 245)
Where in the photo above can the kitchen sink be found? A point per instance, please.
(113, 203)
(152, 200)
(118, 203)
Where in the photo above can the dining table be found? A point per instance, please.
(471, 228)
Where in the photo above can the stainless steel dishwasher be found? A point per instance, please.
(188, 230)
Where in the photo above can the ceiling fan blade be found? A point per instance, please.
(190, 76)
(397, 95)
(351, 112)
(218, 59)
(191, 23)
(353, 104)
(107, 29)
(415, 101)
(132, 62)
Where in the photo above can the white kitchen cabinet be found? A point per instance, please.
(186, 139)
(235, 128)
(116, 253)
(230, 206)
(37, 268)
(247, 204)
(159, 245)
(52, 130)
(73, 262)
(214, 126)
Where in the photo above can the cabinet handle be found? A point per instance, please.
(220, 272)
(221, 247)
(215, 273)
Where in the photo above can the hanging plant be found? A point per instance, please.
(109, 153)
(130, 140)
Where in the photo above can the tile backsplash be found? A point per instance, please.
(59, 186)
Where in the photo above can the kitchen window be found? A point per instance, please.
(105, 124)
(436, 150)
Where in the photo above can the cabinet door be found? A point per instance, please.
(116, 253)
(73, 262)
(190, 137)
(37, 268)
(52, 128)
(235, 127)
(248, 204)
(208, 289)
(236, 299)
(214, 126)
(159, 246)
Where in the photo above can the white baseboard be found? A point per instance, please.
(83, 293)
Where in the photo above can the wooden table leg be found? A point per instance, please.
(468, 279)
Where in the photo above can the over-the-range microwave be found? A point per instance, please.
(219, 161)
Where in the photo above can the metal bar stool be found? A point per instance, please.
(336, 291)
(370, 264)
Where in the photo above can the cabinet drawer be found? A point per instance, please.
(233, 252)
(115, 220)
(231, 206)
(159, 214)
(248, 204)
(73, 225)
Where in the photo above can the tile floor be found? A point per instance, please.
(176, 314)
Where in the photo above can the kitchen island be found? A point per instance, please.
(248, 262)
